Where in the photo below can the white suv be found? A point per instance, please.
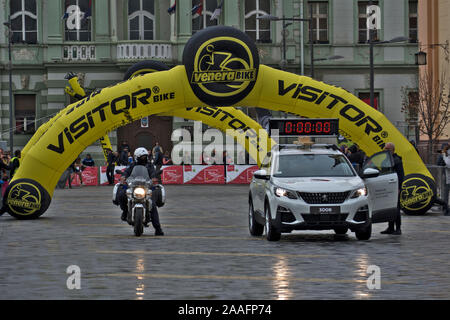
(315, 187)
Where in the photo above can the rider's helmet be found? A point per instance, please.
(141, 155)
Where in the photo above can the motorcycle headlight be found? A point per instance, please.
(280, 192)
(139, 193)
(358, 193)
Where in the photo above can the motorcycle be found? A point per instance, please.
(141, 193)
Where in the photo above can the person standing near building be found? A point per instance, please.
(15, 163)
(446, 158)
(88, 161)
(110, 164)
(398, 168)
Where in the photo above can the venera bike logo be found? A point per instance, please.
(24, 198)
(416, 194)
(212, 64)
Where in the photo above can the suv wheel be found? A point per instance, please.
(254, 227)
(364, 233)
(272, 233)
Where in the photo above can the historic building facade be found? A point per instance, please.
(100, 39)
(434, 41)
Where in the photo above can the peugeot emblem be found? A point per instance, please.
(324, 198)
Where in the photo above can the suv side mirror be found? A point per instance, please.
(261, 174)
(370, 173)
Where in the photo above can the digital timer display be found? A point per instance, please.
(305, 127)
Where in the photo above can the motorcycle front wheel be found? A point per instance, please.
(138, 221)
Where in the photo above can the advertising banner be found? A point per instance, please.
(104, 179)
(204, 174)
(240, 174)
(90, 176)
(172, 175)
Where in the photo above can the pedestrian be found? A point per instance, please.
(130, 159)
(70, 170)
(123, 157)
(440, 160)
(446, 159)
(88, 161)
(123, 145)
(398, 168)
(158, 162)
(110, 164)
(166, 159)
(155, 148)
(4, 165)
(77, 166)
(15, 163)
(356, 157)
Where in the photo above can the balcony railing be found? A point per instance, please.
(136, 51)
(78, 52)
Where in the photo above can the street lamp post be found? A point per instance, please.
(11, 131)
(372, 71)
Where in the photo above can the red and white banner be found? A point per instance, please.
(240, 174)
(104, 179)
(75, 182)
(203, 174)
(172, 175)
(90, 176)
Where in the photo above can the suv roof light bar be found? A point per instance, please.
(307, 146)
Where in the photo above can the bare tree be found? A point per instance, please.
(429, 106)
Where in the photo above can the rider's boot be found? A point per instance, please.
(147, 219)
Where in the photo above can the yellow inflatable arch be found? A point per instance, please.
(220, 68)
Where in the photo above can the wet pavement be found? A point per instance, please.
(207, 253)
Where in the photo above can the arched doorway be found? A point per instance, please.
(145, 133)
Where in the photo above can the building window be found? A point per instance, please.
(201, 14)
(257, 29)
(365, 96)
(141, 19)
(363, 32)
(25, 113)
(320, 21)
(412, 21)
(24, 21)
(77, 20)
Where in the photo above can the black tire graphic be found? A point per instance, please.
(221, 64)
(418, 194)
(144, 67)
(26, 199)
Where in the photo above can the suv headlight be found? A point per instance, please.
(280, 192)
(139, 193)
(358, 193)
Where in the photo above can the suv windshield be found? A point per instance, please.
(313, 165)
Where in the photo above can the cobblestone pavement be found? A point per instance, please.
(207, 253)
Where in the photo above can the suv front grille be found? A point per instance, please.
(323, 197)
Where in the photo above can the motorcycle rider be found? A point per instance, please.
(141, 159)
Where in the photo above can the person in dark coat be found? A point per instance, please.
(398, 168)
(110, 163)
(88, 161)
(356, 157)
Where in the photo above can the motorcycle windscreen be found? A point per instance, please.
(139, 172)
